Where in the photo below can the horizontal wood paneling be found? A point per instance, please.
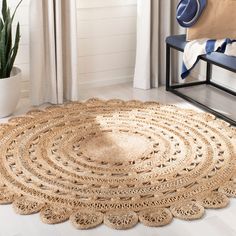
(22, 15)
(23, 55)
(13, 3)
(99, 46)
(107, 41)
(105, 62)
(106, 75)
(91, 14)
(106, 37)
(107, 27)
(104, 3)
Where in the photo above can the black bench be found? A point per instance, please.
(178, 42)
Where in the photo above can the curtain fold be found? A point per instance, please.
(53, 51)
(155, 21)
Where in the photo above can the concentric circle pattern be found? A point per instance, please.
(116, 162)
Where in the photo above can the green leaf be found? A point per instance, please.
(15, 50)
(9, 35)
(4, 9)
(8, 50)
(8, 67)
(1, 24)
(3, 58)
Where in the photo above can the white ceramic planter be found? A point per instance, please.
(10, 93)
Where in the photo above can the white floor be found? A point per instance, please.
(215, 222)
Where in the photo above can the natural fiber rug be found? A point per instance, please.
(116, 163)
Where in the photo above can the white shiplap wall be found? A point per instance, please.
(106, 37)
(22, 60)
(107, 41)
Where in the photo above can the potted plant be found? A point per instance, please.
(9, 75)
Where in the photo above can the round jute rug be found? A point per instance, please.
(117, 163)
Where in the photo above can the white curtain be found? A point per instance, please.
(156, 21)
(53, 51)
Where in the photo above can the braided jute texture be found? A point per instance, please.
(117, 163)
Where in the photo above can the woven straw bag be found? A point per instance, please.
(218, 21)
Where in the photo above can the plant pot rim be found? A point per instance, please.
(16, 71)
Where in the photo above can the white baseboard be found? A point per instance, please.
(106, 82)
